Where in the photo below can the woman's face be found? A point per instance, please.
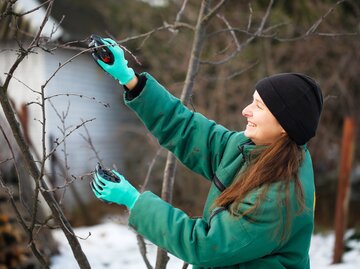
(262, 127)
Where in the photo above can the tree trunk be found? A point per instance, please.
(36, 175)
(194, 62)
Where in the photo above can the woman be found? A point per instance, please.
(259, 211)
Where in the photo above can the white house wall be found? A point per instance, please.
(80, 77)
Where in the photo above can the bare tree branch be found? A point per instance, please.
(258, 33)
(65, 167)
(320, 20)
(233, 75)
(274, 35)
(152, 163)
(140, 239)
(181, 11)
(65, 63)
(236, 41)
(6, 160)
(250, 17)
(58, 141)
(19, 59)
(161, 28)
(24, 84)
(89, 141)
(76, 95)
(212, 12)
(46, 17)
(312, 30)
(143, 252)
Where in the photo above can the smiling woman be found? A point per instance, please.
(259, 211)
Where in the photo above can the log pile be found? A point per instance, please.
(14, 253)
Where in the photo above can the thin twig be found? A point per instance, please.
(151, 166)
(181, 11)
(313, 28)
(143, 252)
(19, 59)
(140, 239)
(330, 35)
(46, 17)
(59, 142)
(238, 46)
(212, 12)
(66, 184)
(6, 160)
(65, 63)
(77, 95)
(235, 74)
(161, 28)
(89, 141)
(265, 17)
(257, 33)
(24, 84)
(250, 17)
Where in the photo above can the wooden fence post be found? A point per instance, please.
(343, 192)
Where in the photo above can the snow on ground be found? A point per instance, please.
(112, 245)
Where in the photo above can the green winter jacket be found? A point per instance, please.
(218, 239)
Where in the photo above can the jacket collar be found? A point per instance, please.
(248, 146)
(246, 149)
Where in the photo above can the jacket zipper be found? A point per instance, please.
(215, 212)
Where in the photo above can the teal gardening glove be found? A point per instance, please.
(111, 187)
(118, 69)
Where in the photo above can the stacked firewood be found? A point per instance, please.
(14, 253)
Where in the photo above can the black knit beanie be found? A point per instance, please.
(296, 102)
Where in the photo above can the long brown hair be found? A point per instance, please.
(278, 162)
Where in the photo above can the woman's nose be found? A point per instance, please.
(247, 112)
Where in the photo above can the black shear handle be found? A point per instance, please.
(100, 51)
(107, 174)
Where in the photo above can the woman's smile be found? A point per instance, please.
(262, 127)
(250, 124)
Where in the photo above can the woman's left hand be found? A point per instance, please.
(113, 188)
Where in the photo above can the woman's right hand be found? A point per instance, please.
(118, 69)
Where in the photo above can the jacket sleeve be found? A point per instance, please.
(195, 140)
(225, 240)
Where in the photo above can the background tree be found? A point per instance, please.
(213, 52)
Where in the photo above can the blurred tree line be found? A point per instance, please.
(327, 51)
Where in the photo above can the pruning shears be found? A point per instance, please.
(100, 50)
